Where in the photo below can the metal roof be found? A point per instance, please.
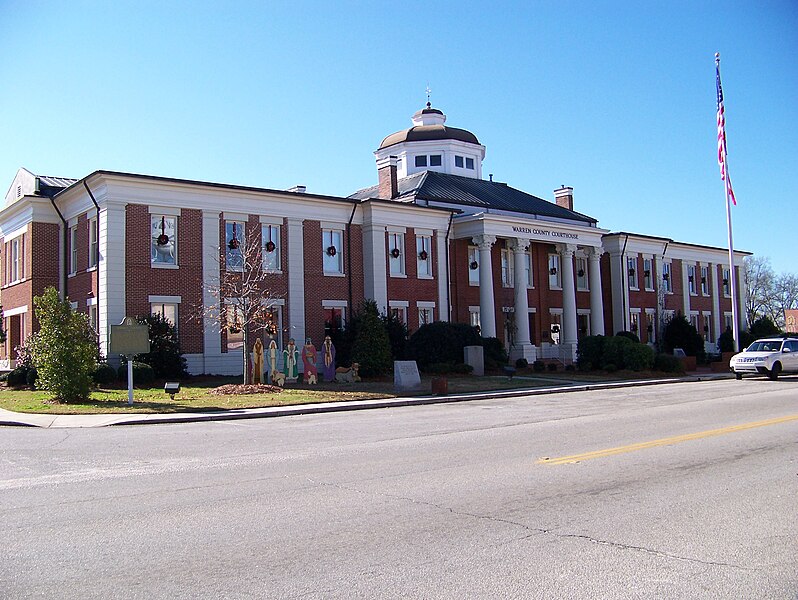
(468, 191)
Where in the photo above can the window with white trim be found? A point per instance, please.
(270, 238)
(581, 274)
(650, 329)
(235, 327)
(667, 279)
(634, 323)
(555, 275)
(631, 272)
(473, 316)
(399, 313)
(423, 256)
(528, 267)
(694, 320)
(648, 274)
(163, 240)
(234, 242)
(691, 283)
(73, 250)
(473, 265)
(396, 254)
(726, 283)
(16, 262)
(704, 281)
(93, 317)
(332, 246)
(508, 268)
(93, 244)
(425, 316)
(168, 310)
(334, 318)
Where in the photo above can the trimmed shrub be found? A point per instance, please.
(440, 368)
(610, 368)
(143, 374)
(521, 363)
(552, 366)
(590, 351)
(104, 374)
(614, 351)
(539, 366)
(462, 368)
(726, 341)
(570, 368)
(638, 357)
(630, 335)
(441, 342)
(165, 356)
(31, 376)
(668, 363)
(18, 377)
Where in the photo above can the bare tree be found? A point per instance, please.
(243, 300)
(758, 296)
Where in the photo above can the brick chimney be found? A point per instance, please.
(564, 197)
(386, 171)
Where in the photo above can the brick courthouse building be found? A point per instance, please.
(432, 241)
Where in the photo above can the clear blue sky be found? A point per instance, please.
(616, 99)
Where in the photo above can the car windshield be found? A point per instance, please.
(765, 346)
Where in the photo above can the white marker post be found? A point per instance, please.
(129, 338)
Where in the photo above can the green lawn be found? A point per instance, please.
(195, 393)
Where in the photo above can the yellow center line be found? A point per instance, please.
(662, 442)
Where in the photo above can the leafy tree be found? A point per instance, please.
(372, 347)
(680, 333)
(768, 294)
(64, 349)
(165, 356)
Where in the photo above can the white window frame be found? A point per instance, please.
(651, 318)
(667, 283)
(693, 319)
(727, 284)
(168, 257)
(582, 282)
(396, 264)
(94, 317)
(705, 281)
(236, 309)
(332, 237)
(17, 264)
(508, 268)
(428, 309)
(270, 232)
(93, 243)
(229, 253)
(399, 308)
(530, 282)
(555, 279)
(474, 317)
(424, 266)
(73, 250)
(648, 280)
(707, 332)
(340, 305)
(634, 321)
(692, 285)
(631, 273)
(473, 257)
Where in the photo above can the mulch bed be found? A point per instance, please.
(230, 389)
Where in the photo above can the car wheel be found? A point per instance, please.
(738, 376)
(773, 374)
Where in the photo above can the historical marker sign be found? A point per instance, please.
(129, 338)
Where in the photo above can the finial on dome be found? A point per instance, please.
(429, 91)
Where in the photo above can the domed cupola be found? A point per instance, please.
(429, 145)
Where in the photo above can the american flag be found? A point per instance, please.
(724, 174)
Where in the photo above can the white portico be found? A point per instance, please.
(569, 241)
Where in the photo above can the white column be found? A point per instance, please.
(442, 274)
(375, 271)
(111, 272)
(619, 287)
(487, 309)
(716, 330)
(521, 348)
(568, 295)
(596, 297)
(296, 280)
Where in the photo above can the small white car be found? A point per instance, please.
(768, 356)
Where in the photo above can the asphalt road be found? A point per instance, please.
(467, 500)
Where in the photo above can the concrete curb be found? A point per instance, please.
(14, 419)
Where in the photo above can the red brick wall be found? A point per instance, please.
(84, 283)
(411, 288)
(320, 287)
(142, 280)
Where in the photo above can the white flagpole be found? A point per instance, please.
(732, 273)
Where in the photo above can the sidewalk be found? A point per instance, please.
(10, 418)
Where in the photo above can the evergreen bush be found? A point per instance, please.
(372, 347)
(763, 327)
(614, 348)
(521, 363)
(165, 356)
(680, 333)
(143, 374)
(638, 357)
(539, 366)
(726, 341)
(589, 351)
(18, 377)
(397, 336)
(441, 341)
(668, 363)
(630, 335)
(494, 352)
(104, 374)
